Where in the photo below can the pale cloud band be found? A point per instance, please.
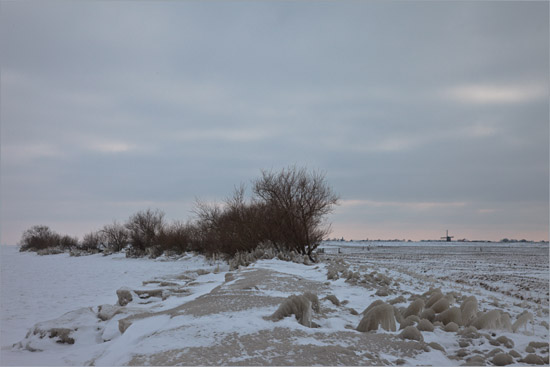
(493, 94)
(403, 204)
(424, 115)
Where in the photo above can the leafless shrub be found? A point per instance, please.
(236, 226)
(144, 230)
(287, 211)
(45, 241)
(92, 242)
(116, 236)
(39, 238)
(177, 237)
(297, 201)
(68, 242)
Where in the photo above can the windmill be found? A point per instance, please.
(447, 237)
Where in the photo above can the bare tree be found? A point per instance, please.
(68, 243)
(116, 236)
(236, 225)
(92, 242)
(177, 237)
(242, 222)
(298, 201)
(207, 235)
(144, 230)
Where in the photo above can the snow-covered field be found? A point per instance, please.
(62, 310)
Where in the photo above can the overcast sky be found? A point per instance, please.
(425, 116)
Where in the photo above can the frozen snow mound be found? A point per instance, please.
(75, 327)
(301, 306)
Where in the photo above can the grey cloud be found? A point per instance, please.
(147, 102)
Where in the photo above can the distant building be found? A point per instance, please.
(447, 237)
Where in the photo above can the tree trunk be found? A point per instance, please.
(309, 252)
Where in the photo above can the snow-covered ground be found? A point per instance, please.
(194, 311)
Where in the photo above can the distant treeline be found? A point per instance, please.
(287, 210)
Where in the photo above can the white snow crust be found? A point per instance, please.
(197, 315)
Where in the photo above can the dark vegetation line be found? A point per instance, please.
(287, 211)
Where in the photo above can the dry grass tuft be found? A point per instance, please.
(415, 308)
(380, 315)
(332, 274)
(436, 346)
(441, 305)
(404, 323)
(533, 359)
(428, 314)
(124, 296)
(522, 320)
(332, 298)
(412, 333)
(299, 306)
(397, 314)
(372, 305)
(470, 332)
(435, 296)
(469, 310)
(396, 300)
(507, 342)
(502, 359)
(452, 314)
(425, 325)
(382, 292)
(475, 361)
(315, 306)
(494, 319)
(229, 277)
(539, 345)
(451, 327)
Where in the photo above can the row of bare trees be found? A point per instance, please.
(286, 208)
